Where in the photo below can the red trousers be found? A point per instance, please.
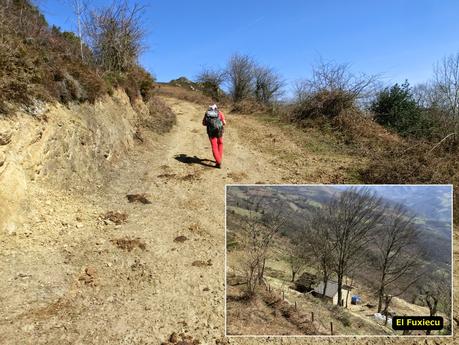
(217, 148)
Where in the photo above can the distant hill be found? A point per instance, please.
(431, 202)
(430, 205)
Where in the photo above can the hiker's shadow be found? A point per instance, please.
(183, 158)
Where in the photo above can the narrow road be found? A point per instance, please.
(72, 281)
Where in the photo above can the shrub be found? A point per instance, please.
(161, 117)
(341, 315)
(324, 103)
(211, 81)
(41, 62)
(240, 71)
(268, 84)
(411, 163)
(116, 35)
(396, 108)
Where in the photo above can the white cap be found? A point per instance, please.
(213, 107)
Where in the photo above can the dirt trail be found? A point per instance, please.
(65, 278)
(70, 277)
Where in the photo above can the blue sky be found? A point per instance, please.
(399, 39)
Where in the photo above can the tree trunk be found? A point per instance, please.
(340, 284)
(381, 290)
(380, 298)
(325, 287)
(347, 297)
(262, 271)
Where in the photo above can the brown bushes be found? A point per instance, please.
(249, 106)
(412, 163)
(161, 117)
(41, 62)
(327, 104)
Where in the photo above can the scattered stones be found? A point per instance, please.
(88, 276)
(23, 275)
(180, 239)
(181, 339)
(116, 217)
(129, 244)
(5, 137)
(37, 108)
(91, 271)
(138, 198)
(10, 229)
(195, 228)
(200, 263)
(140, 272)
(174, 338)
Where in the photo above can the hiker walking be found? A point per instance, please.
(215, 120)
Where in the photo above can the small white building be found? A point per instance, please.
(331, 293)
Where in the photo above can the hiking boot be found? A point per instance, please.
(218, 166)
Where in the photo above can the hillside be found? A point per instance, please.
(300, 202)
(93, 275)
(435, 235)
(112, 224)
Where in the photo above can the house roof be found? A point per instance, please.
(332, 288)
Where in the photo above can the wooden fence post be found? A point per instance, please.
(312, 316)
(295, 305)
(283, 295)
(331, 327)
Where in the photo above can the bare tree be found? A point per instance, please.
(398, 291)
(446, 83)
(212, 80)
(275, 215)
(436, 294)
(268, 84)
(396, 256)
(240, 71)
(263, 220)
(328, 76)
(79, 8)
(116, 35)
(426, 95)
(332, 89)
(297, 260)
(352, 217)
(318, 244)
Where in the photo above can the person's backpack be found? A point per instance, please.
(214, 124)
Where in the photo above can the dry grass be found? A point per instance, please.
(413, 163)
(183, 93)
(249, 106)
(161, 117)
(42, 62)
(312, 153)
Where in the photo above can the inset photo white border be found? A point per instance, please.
(340, 335)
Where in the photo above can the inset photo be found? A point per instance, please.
(338, 260)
